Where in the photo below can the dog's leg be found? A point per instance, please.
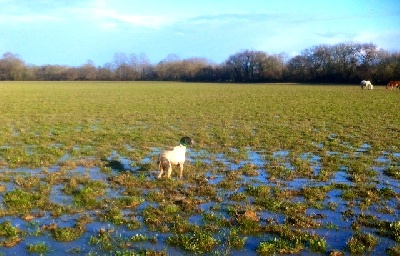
(160, 166)
(180, 170)
(169, 171)
(161, 172)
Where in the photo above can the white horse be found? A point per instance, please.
(366, 84)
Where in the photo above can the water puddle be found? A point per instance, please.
(330, 212)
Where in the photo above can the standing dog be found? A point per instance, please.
(175, 157)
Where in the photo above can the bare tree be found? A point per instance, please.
(367, 58)
(88, 71)
(12, 67)
(254, 66)
(340, 63)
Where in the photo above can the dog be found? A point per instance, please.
(175, 157)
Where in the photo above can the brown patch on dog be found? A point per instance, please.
(163, 163)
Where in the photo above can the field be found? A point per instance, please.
(276, 168)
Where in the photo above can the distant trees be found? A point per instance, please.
(192, 69)
(340, 63)
(389, 67)
(251, 66)
(12, 67)
(345, 62)
(130, 68)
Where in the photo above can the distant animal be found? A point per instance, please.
(175, 157)
(366, 84)
(393, 84)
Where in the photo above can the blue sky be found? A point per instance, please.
(71, 32)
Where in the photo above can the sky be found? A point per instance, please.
(74, 32)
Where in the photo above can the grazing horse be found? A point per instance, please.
(392, 84)
(366, 84)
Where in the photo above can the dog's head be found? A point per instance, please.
(186, 141)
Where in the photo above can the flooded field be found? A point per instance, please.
(274, 198)
(263, 178)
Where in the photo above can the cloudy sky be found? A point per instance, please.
(71, 32)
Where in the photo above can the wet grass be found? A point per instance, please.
(276, 169)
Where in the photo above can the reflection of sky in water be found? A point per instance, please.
(223, 162)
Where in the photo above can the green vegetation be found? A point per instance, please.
(278, 245)
(43, 121)
(38, 248)
(67, 234)
(273, 166)
(361, 243)
(10, 235)
(197, 242)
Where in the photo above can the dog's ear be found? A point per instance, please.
(185, 141)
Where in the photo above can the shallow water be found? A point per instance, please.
(221, 163)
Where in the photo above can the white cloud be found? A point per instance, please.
(112, 16)
(386, 39)
(213, 29)
(103, 13)
(119, 19)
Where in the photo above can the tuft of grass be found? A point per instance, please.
(249, 170)
(315, 193)
(40, 248)
(279, 245)
(394, 230)
(171, 209)
(394, 250)
(238, 196)
(235, 240)
(393, 171)
(104, 240)
(317, 244)
(67, 234)
(113, 215)
(87, 195)
(19, 201)
(10, 235)
(139, 238)
(361, 243)
(198, 242)
(302, 221)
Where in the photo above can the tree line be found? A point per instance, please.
(339, 63)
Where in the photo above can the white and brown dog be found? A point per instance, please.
(176, 157)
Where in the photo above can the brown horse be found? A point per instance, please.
(393, 84)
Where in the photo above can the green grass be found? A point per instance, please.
(40, 248)
(43, 121)
(62, 142)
